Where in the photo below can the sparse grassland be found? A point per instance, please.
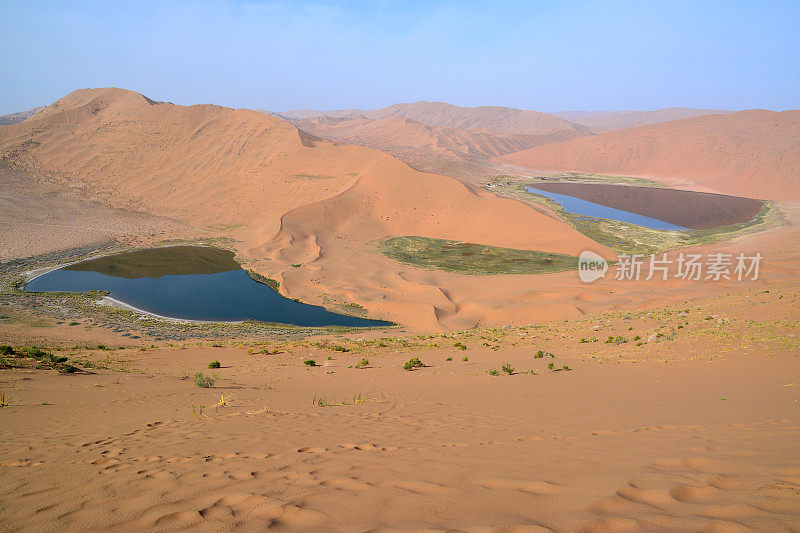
(470, 258)
(269, 282)
(203, 381)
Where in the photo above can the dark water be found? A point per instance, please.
(579, 206)
(189, 282)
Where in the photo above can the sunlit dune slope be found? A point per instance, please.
(752, 153)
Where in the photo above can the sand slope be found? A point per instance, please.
(395, 132)
(208, 165)
(619, 120)
(750, 153)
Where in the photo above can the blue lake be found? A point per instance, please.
(579, 206)
(193, 283)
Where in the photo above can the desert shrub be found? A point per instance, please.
(214, 364)
(465, 359)
(507, 368)
(460, 346)
(364, 363)
(493, 372)
(550, 366)
(310, 362)
(413, 363)
(449, 359)
(541, 353)
(203, 381)
(6, 350)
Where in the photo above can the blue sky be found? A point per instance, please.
(548, 56)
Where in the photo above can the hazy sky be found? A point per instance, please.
(549, 56)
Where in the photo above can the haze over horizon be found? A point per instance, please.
(281, 55)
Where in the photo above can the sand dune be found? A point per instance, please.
(619, 120)
(752, 153)
(490, 118)
(398, 133)
(208, 165)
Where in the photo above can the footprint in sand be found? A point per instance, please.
(22, 463)
(521, 485)
(346, 483)
(312, 450)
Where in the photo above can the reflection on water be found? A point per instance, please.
(189, 282)
(579, 206)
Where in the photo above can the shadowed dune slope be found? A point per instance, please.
(619, 120)
(396, 132)
(752, 153)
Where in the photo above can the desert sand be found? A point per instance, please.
(654, 406)
(600, 121)
(751, 153)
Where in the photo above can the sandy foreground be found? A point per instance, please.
(697, 432)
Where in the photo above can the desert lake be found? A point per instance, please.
(651, 207)
(190, 283)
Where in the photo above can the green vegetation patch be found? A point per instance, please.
(470, 258)
(272, 283)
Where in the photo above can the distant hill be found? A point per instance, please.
(485, 118)
(753, 153)
(618, 120)
(391, 133)
(16, 118)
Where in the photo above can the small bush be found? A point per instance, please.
(541, 353)
(338, 348)
(413, 363)
(204, 382)
(550, 366)
(310, 362)
(460, 346)
(507, 368)
(214, 364)
(6, 350)
(364, 363)
(449, 359)
(493, 372)
(465, 359)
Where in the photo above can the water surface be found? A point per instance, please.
(579, 206)
(189, 282)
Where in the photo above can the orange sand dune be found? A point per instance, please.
(749, 153)
(489, 118)
(396, 132)
(619, 120)
(208, 165)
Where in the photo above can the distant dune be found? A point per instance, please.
(752, 153)
(488, 118)
(618, 120)
(395, 132)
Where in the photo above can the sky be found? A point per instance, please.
(280, 55)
